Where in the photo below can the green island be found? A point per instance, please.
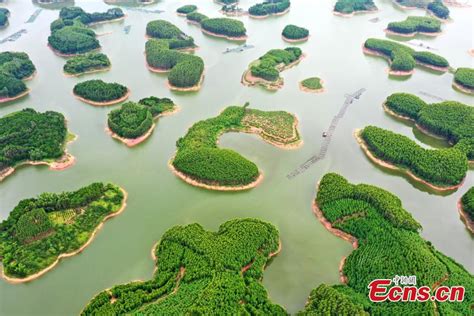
(14, 68)
(133, 122)
(464, 80)
(201, 272)
(350, 7)
(70, 34)
(268, 8)
(414, 25)
(32, 138)
(292, 33)
(403, 59)
(435, 8)
(449, 120)
(86, 63)
(440, 169)
(227, 28)
(383, 235)
(186, 71)
(224, 2)
(99, 93)
(4, 15)
(266, 70)
(40, 231)
(186, 9)
(200, 162)
(466, 209)
(313, 84)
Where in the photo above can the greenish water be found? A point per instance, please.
(158, 200)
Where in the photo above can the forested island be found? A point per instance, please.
(403, 59)
(383, 235)
(133, 123)
(439, 169)
(464, 80)
(414, 25)
(200, 162)
(450, 120)
(32, 138)
(40, 231)
(227, 28)
(4, 15)
(266, 70)
(351, 7)
(293, 34)
(14, 68)
(186, 9)
(466, 209)
(86, 63)
(201, 272)
(186, 71)
(313, 84)
(435, 8)
(99, 93)
(269, 7)
(70, 35)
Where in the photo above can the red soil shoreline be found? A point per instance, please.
(305, 89)
(353, 13)
(290, 40)
(465, 218)
(72, 55)
(69, 254)
(410, 35)
(230, 38)
(462, 88)
(112, 102)
(19, 96)
(261, 17)
(87, 72)
(270, 255)
(372, 52)
(197, 87)
(387, 165)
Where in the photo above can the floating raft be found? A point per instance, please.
(238, 49)
(127, 28)
(420, 44)
(327, 135)
(34, 16)
(145, 10)
(374, 20)
(13, 37)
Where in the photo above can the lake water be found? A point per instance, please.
(158, 200)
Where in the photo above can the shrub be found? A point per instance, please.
(100, 91)
(30, 135)
(85, 63)
(465, 77)
(185, 9)
(414, 24)
(351, 6)
(295, 32)
(269, 7)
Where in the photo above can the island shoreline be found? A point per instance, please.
(107, 103)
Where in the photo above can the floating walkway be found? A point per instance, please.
(14, 36)
(327, 135)
(420, 44)
(127, 28)
(238, 49)
(145, 10)
(34, 16)
(432, 96)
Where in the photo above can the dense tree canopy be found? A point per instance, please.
(449, 119)
(467, 202)
(313, 83)
(351, 6)
(30, 135)
(201, 272)
(199, 157)
(269, 7)
(40, 229)
(442, 167)
(270, 64)
(465, 77)
(224, 26)
(14, 67)
(133, 120)
(403, 58)
(4, 14)
(196, 17)
(413, 24)
(438, 8)
(388, 245)
(295, 32)
(99, 91)
(185, 9)
(69, 33)
(86, 63)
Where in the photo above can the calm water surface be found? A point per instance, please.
(158, 200)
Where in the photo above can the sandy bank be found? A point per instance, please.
(70, 254)
(88, 72)
(230, 38)
(462, 88)
(72, 55)
(19, 96)
(107, 103)
(465, 218)
(299, 40)
(410, 35)
(270, 255)
(390, 166)
(369, 51)
(269, 15)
